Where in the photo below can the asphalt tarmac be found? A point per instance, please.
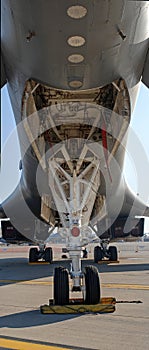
(24, 288)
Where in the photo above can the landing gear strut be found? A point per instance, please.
(103, 252)
(74, 189)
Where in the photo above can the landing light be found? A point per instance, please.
(77, 11)
(76, 58)
(76, 41)
(75, 84)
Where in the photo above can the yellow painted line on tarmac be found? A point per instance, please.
(23, 345)
(125, 286)
(39, 263)
(104, 285)
(47, 283)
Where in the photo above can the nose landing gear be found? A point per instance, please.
(90, 286)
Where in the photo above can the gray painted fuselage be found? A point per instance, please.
(35, 46)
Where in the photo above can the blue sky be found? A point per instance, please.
(139, 124)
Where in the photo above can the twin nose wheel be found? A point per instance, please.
(91, 290)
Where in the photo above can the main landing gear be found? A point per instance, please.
(100, 253)
(43, 254)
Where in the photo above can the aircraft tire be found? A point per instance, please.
(33, 255)
(97, 254)
(113, 253)
(48, 255)
(61, 286)
(92, 283)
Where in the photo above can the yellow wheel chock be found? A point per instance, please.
(106, 305)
